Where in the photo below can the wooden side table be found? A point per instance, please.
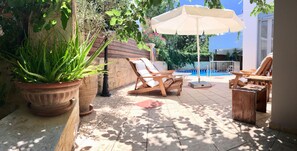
(265, 79)
(246, 101)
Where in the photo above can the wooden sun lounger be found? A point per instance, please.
(265, 69)
(165, 82)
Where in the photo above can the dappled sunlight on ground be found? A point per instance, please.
(198, 119)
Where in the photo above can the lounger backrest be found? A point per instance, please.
(141, 69)
(265, 66)
(150, 66)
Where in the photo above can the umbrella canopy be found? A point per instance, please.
(184, 20)
(195, 20)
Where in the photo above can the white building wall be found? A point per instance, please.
(250, 36)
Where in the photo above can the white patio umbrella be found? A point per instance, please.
(195, 20)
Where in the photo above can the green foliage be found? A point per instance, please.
(16, 14)
(262, 7)
(228, 56)
(43, 12)
(11, 35)
(121, 16)
(182, 50)
(235, 55)
(164, 6)
(63, 61)
(213, 4)
(124, 22)
(91, 17)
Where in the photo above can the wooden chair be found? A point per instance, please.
(151, 82)
(265, 69)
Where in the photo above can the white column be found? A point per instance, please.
(250, 37)
(284, 96)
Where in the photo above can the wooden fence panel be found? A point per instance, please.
(121, 50)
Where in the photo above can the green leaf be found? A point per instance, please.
(65, 14)
(116, 12)
(113, 21)
(128, 13)
(109, 13)
(120, 21)
(32, 74)
(50, 24)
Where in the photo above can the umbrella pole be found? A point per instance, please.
(198, 59)
(198, 53)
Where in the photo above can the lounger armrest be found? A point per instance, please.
(248, 72)
(155, 74)
(167, 72)
(237, 73)
(156, 77)
(160, 77)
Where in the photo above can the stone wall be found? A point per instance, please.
(120, 73)
(22, 130)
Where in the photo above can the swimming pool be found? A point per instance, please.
(205, 72)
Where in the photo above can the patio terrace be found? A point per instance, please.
(198, 119)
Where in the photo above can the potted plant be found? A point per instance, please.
(48, 75)
(88, 91)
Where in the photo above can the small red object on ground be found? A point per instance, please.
(149, 104)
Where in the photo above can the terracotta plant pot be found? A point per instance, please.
(87, 93)
(49, 99)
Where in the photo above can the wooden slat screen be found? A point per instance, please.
(121, 50)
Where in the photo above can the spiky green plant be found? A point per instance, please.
(60, 62)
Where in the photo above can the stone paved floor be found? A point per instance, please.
(197, 120)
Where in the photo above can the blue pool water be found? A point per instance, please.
(205, 72)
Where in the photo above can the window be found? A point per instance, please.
(265, 36)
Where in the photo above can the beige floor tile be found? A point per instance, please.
(133, 134)
(226, 141)
(244, 147)
(155, 145)
(283, 146)
(162, 139)
(198, 144)
(189, 131)
(137, 121)
(198, 119)
(93, 145)
(128, 146)
(286, 137)
(158, 122)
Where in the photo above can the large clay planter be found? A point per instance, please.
(49, 99)
(87, 93)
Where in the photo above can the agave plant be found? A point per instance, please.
(59, 62)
